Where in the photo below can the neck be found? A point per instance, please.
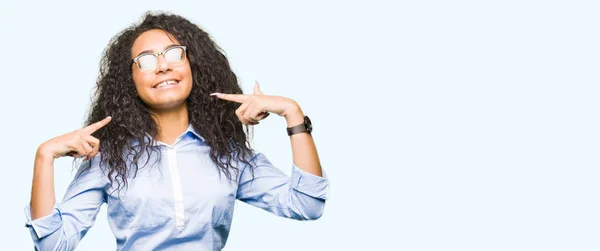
(171, 123)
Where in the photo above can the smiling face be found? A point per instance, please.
(167, 86)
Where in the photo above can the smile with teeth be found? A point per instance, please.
(166, 83)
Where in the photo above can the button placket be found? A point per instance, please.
(177, 193)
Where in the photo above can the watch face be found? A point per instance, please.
(307, 124)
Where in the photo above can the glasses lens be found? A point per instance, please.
(175, 56)
(147, 62)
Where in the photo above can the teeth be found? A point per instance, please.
(169, 82)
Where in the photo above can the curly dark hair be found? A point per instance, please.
(115, 95)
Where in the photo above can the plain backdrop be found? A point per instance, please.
(442, 125)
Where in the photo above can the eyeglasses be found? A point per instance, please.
(149, 61)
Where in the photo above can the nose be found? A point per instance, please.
(162, 65)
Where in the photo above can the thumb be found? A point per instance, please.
(257, 88)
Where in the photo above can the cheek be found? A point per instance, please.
(187, 70)
(136, 79)
(187, 73)
(140, 80)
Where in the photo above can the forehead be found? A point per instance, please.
(152, 40)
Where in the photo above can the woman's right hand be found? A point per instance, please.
(77, 144)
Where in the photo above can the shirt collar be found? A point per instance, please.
(190, 130)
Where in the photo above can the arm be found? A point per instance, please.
(257, 106)
(301, 197)
(42, 187)
(304, 151)
(44, 216)
(66, 223)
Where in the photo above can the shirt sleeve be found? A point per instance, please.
(70, 220)
(301, 196)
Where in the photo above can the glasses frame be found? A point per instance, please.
(156, 54)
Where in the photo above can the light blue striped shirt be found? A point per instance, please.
(180, 202)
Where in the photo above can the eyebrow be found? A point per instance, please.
(151, 52)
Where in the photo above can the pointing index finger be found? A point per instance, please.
(95, 126)
(239, 98)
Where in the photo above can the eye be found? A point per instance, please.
(147, 62)
(174, 55)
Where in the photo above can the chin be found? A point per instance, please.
(168, 100)
(168, 105)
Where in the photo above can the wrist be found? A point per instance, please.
(44, 154)
(294, 116)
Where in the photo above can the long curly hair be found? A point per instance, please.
(115, 95)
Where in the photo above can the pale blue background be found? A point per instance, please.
(443, 125)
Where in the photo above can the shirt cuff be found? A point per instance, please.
(310, 184)
(46, 225)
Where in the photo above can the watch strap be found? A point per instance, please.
(306, 126)
(296, 129)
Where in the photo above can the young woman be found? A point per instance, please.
(165, 148)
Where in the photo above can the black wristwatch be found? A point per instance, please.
(304, 127)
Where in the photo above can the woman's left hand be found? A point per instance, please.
(257, 106)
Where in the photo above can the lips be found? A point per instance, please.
(165, 83)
